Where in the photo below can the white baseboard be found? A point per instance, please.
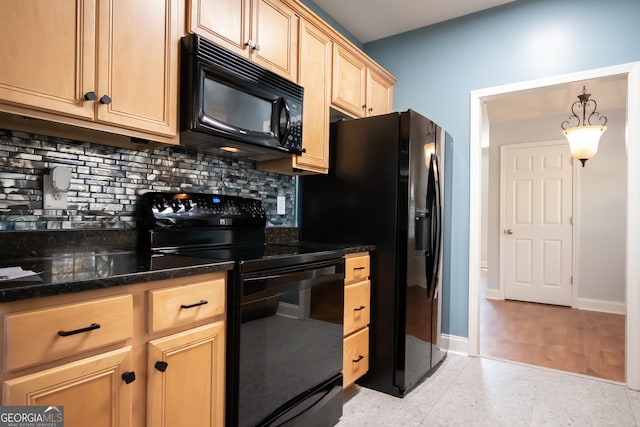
(490, 293)
(614, 307)
(456, 344)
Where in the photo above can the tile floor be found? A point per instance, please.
(473, 391)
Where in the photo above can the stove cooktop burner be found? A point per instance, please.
(218, 227)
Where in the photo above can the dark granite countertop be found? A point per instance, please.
(343, 248)
(65, 271)
(73, 261)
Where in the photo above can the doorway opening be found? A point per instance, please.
(480, 122)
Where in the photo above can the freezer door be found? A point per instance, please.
(419, 253)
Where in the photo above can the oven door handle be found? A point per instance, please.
(272, 283)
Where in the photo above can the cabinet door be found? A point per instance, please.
(52, 42)
(349, 82)
(225, 22)
(274, 29)
(315, 77)
(190, 391)
(91, 390)
(379, 94)
(138, 64)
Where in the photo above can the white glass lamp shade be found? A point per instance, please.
(583, 141)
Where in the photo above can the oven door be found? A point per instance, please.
(289, 357)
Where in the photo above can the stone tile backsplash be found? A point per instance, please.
(105, 181)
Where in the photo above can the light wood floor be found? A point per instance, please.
(580, 341)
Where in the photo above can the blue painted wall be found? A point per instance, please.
(437, 67)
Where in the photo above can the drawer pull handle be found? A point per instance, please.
(358, 359)
(79, 331)
(161, 366)
(129, 377)
(362, 307)
(358, 268)
(202, 302)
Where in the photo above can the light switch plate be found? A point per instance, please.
(281, 205)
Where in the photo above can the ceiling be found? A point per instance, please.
(370, 20)
(610, 93)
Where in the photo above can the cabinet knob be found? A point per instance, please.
(508, 231)
(253, 45)
(90, 96)
(105, 100)
(161, 366)
(371, 109)
(129, 377)
(364, 106)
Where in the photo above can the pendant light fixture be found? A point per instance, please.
(584, 137)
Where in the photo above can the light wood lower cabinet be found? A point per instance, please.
(187, 378)
(356, 356)
(91, 391)
(357, 315)
(148, 354)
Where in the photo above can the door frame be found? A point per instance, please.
(554, 142)
(478, 131)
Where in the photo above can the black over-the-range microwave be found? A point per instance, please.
(232, 104)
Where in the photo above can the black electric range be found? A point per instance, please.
(284, 309)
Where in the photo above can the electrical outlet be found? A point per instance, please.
(281, 205)
(52, 198)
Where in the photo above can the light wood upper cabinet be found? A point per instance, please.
(225, 22)
(349, 90)
(265, 31)
(315, 77)
(106, 62)
(359, 89)
(138, 64)
(379, 93)
(48, 51)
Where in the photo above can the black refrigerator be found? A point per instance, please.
(384, 188)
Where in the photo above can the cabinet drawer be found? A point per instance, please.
(38, 336)
(182, 305)
(356, 306)
(356, 268)
(355, 362)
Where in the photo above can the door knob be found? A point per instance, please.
(508, 231)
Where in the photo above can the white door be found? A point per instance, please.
(536, 246)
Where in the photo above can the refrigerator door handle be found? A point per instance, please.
(434, 243)
(423, 231)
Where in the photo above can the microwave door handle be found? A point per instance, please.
(287, 126)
